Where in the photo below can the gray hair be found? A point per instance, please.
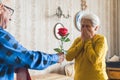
(92, 17)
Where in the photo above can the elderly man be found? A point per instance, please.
(14, 56)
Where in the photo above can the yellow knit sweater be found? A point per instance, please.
(89, 58)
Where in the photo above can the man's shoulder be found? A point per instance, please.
(3, 32)
(5, 35)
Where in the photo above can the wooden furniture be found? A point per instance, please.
(51, 76)
(113, 73)
(113, 70)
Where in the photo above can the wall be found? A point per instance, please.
(116, 25)
(33, 22)
(118, 20)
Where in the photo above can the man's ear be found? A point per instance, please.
(96, 28)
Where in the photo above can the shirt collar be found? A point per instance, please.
(1, 27)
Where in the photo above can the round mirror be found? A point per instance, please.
(56, 27)
(78, 19)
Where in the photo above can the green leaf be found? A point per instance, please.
(58, 50)
(62, 39)
(67, 40)
(67, 34)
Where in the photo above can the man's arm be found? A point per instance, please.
(14, 54)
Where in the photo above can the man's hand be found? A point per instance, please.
(61, 57)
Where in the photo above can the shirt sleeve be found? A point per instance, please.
(98, 52)
(74, 49)
(15, 55)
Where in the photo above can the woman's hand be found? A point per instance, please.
(86, 34)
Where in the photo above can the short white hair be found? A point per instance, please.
(92, 17)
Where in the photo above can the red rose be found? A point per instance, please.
(62, 31)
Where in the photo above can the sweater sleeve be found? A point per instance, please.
(96, 53)
(15, 55)
(74, 49)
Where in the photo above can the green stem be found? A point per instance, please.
(62, 46)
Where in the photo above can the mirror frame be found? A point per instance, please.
(76, 20)
(56, 30)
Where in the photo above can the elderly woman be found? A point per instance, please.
(13, 55)
(89, 50)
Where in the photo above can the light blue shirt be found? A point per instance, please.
(13, 55)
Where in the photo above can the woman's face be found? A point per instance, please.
(86, 23)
